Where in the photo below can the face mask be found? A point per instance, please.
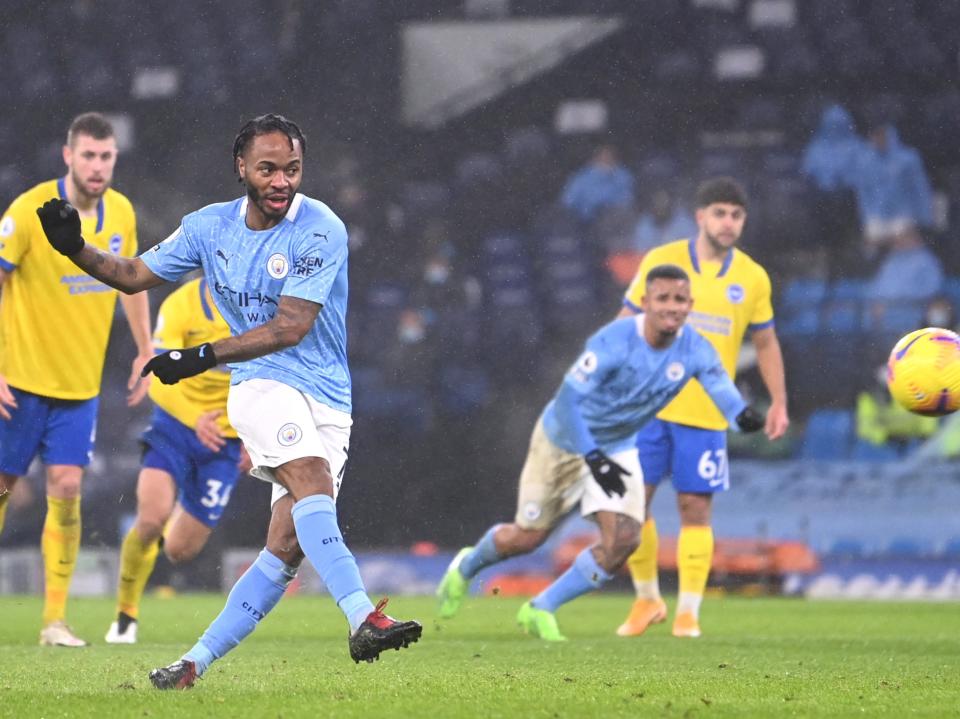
(411, 333)
(436, 274)
(938, 317)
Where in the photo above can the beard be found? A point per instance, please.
(717, 245)
(85, 189)
(259, 199)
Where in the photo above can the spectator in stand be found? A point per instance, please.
(602, 182)
(883, 421)
(828, 163)
(664, 221)
(832, 153)
(910, 273)
(892, 189)
(448, 301)
(942, 313)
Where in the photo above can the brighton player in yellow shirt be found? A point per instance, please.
(54, 326)
(192, 458)
(687, 440)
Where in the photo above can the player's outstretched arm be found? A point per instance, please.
(293, 320)
(61, 224)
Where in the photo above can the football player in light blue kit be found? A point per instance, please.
(583, 451)
(276, 263)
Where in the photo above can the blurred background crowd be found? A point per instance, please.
(494, 228)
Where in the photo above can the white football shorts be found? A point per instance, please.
(554, 481)
(279, 424)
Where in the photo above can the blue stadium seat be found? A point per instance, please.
(843, 308)
(864, 451)
(898, 318)
(906, 548)
(847, 548)
(802, 291)
(828, 435)
(463, 389)
(952, 547)
(848, 289)
(798, 311)
(951, 288)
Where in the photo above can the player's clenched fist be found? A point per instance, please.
(61, 225)
(609, 474)
(175, 365)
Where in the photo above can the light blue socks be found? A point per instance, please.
(250, 600)
(315, 518)
(483, 554)
(583, 576)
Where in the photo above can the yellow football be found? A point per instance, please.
(923, 372)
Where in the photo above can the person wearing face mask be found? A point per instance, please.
(941, 313)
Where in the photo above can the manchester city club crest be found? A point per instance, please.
(289, 434)
(277, 266)
(675, 371)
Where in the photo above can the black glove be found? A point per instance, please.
(609, 474)
(749, 420)
(175, 365)
(61, 225)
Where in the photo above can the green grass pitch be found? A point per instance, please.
(758, 657)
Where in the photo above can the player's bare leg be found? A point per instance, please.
(156, 494)
(648, 607)
(59, 545)
(282, 534)
(694, 557)
(592, 568)
(185, 536)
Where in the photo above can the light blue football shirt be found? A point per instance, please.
(248, 271)
(623, 382)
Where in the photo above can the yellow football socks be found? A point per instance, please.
(136, 564)
(694, 557)
(4, 498)
(59, 544)
(643, 563)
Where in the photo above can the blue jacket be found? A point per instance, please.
(892, 184)
(831, 156)
(593, 188)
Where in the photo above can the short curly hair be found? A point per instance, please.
(263, 125)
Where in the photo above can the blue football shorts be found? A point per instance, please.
(204, 479)
(60, 430)
(695, 458)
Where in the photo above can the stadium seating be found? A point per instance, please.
(493, 173)
(828, 435)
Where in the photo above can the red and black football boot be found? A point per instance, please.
(179, 675)
(380, 632)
